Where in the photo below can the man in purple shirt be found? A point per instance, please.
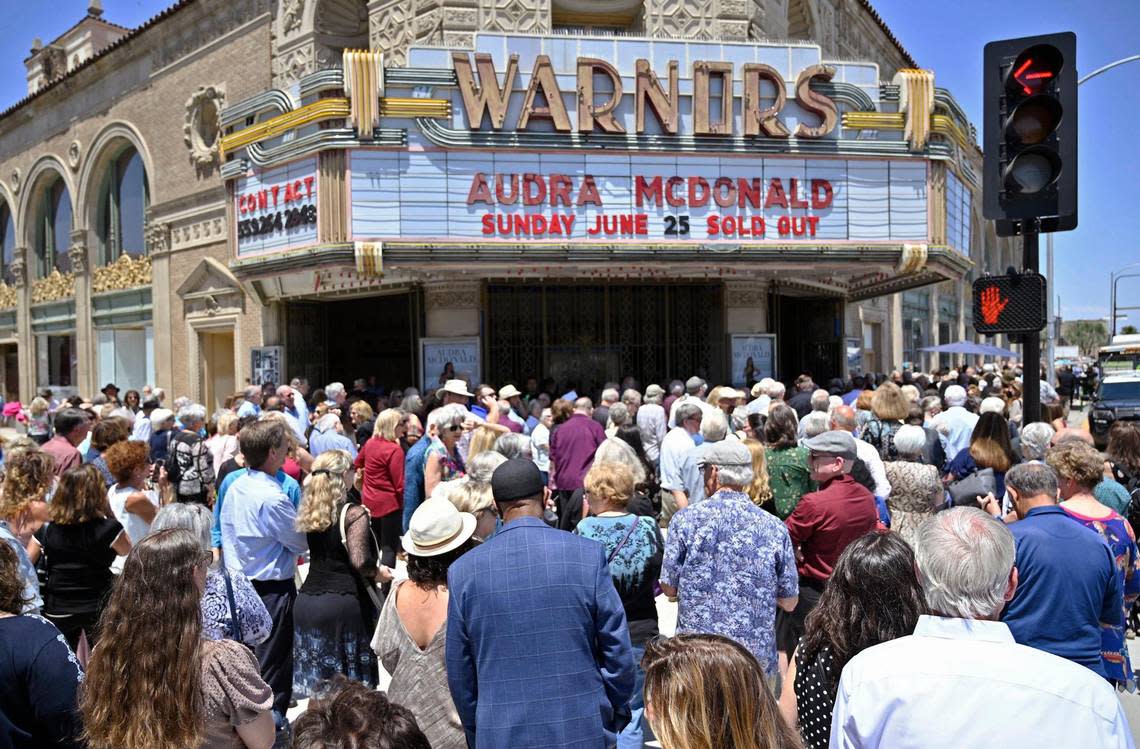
(572, 446)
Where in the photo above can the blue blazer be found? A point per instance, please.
(538, 650)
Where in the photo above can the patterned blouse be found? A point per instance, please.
(914, 486)
(1122, 540)
(449, 467)
(254, 623)
(789, 478)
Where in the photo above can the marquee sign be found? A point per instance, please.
(581, 140)
(477, 196)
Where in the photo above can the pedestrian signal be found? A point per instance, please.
(1010, 304)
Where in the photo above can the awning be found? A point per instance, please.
(970, 348)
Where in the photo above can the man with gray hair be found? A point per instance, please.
(335, 395)
(251, 406)
(729, 563)
(572, 447)
(695, 391)
(602, 411)
(961, 679)
(651, 421)
(955, 424)
(761, 397)
(681, 483)
(1034, 440)
(1068, 585)
(820, 403)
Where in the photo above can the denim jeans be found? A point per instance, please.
(632, 736)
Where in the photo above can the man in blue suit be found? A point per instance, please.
(538, 651)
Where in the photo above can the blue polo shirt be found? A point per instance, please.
(1066, 586)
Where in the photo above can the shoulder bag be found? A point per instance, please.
(235, 624)
(628, 534)
(372, 587)
(965, 491)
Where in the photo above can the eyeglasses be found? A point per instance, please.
(455, 428)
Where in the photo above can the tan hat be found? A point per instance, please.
(506, 392)
(654, 391)
(436, 528)
(455, 387)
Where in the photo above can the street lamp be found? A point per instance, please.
(1050, 339)
(1114, 277)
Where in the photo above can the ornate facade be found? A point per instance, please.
(169, 301)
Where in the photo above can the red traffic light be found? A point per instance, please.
(1034, 70)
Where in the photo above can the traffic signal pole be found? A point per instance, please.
(1031, 364)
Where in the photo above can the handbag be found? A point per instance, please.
(373, 588)
(965, 491)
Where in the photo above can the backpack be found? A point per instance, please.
(882, 437)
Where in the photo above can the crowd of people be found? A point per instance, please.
(895, 561)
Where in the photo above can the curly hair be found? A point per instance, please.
(12, 600)
(1076, 460)
(124, 458)
(851, 615)
(349, 714)
(80, 496)
(325, 491)
(609, 482)
(429, 573)
(27, 478)
(144, 682)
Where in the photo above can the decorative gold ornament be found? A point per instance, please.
(55, 287)
(125, 273)
(8, 298)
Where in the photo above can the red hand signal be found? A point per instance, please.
(992, 305)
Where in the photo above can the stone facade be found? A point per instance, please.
(159, 91)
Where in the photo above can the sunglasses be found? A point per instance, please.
(455, 428)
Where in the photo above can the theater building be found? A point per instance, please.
(575, 190)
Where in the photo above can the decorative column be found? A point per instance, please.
(162, 299)
(746, 307)
(26, 347)
(86, 343)
(894, 331)
(932, 360)
(453, 308)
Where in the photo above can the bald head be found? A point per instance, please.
(843, 418)
(584, 405)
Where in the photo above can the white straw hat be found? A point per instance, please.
(455, 387)
(437, 527)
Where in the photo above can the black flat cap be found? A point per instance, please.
(518, 478)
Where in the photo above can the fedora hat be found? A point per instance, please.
(436, 528)
(455, 387)
(506, 392)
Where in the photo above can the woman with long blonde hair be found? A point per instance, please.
(706, 691)
(152, 680)
(334, 616)
(758, 491)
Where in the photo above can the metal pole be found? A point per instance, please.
(1110, 66)
(1031, 367)
(1050, 312)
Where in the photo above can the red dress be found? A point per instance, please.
(383, 486)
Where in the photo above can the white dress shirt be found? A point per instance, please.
(651, 422)
(869, 454)
(954, 426)
(966, 683)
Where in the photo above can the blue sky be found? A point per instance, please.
(945, 37)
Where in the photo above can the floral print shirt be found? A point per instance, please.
(730, 561)
(1119, 536)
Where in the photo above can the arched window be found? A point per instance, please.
(7, 242)
(53, 233)
(122, 208)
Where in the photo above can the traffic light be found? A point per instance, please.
(1012, 303)
(1030, 132)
